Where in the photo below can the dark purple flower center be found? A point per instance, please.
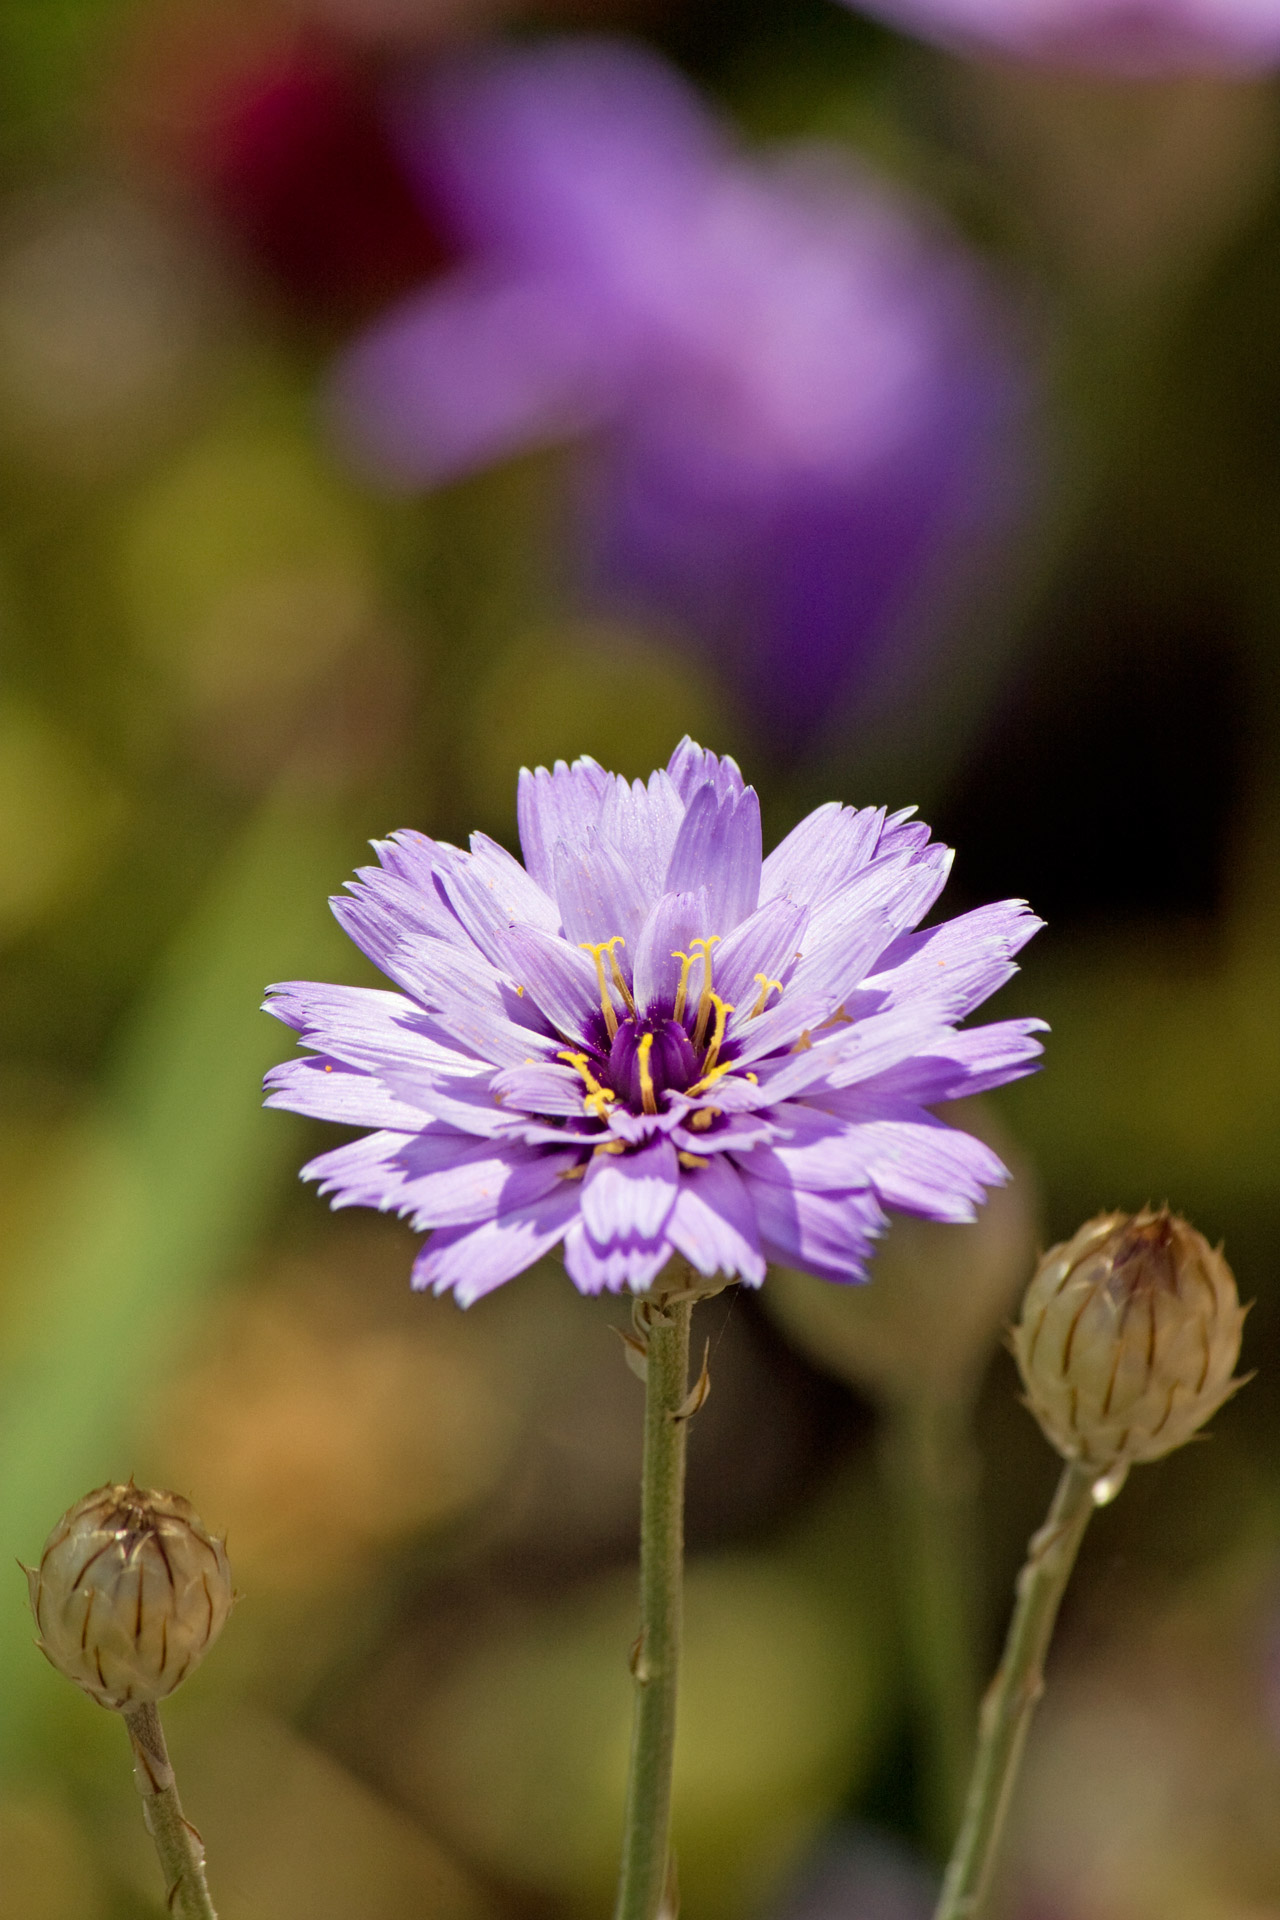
(649, 1058)
(636, 1058)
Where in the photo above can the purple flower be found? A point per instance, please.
(1122, 36)
(649, 1041)
(797, 400)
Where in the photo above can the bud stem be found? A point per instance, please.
(1014, 1693)
(178, 1845)
(931, 1470)
(646, 1842)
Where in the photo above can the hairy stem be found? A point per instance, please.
(929, 1464)
(646, 1840)
(178, 1845)
(1013, 1695)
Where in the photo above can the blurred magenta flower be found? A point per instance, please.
(286, 142)
(649, 1041)
(1122, 36)
(799, 401)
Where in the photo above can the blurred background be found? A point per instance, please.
(394, 391)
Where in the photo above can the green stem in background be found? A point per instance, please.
(646, 1843)
(178, 1845)
(1012, 1697)
(930, 1466)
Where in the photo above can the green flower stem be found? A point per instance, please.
(178, 1845)
(646, 1840)
(1013, 1695)
(931, 1472)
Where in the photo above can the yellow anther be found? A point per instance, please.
(648, 1098)
(704, 1004)
(610, 1146)
(573, 1173)
(598, 1099)
(597, 952)
(692, 1160)
(803, 1044)
(765, 984)
(723, 1010)
(837, 1019)
(703, 1119)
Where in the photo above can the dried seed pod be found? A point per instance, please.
(1128, 1338)
(130, 1593)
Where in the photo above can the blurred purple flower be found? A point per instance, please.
(800, 399)
(1136, 37)
(649, 1041)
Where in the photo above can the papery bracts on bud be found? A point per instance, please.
(130, 1593)
(1128, 1339)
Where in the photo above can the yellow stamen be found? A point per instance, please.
(648, 1098)
(723, 1010)
(837, 1019)
(686, 961)
(692, 1160)
(702, 1120)
(573, 1173)
(618, 980)
(708, 1080)
(803, 1044)
(704, 1004)
(597, 952)
(598, 1099)
(765, 984)
(610, 1146)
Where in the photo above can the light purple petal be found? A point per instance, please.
(598, 894)
(674, 923)
(543, 1088)
(633, 1265)
(769, 941)
(959, 964)
(851, 1053)
(564, 804)
(560, 980)
(732, 1132)
(485, 920)
(331, 1090)
(364, 1173)
(713, 1224)
(472, 1261)
(823, 1233)
(952, 1066)
(629, 1196)
(467, 1104)
(691, 767)
(718, 847)
(474, 1003)
(913, 1161)
(520, 897)
(642, 821)
(823, 853)
(453, 1184)
(364, 1026)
